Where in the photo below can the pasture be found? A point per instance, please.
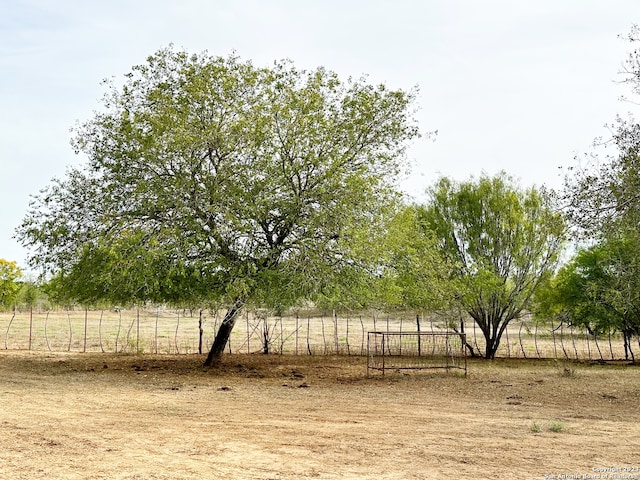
(127, 416)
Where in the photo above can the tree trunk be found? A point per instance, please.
(492, 328)
(494, 338)
(224, 332)
(200, 332)
(491, 347)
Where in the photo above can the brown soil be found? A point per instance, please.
(99, 416)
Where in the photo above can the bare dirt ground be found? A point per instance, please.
(99, 416)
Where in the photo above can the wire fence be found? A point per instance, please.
(169, 331)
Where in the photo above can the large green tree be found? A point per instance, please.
(503, 242)
(246, 181)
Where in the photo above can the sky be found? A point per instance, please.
(523, 86)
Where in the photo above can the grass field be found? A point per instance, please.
(107, 416)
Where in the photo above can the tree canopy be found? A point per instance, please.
(211, 177)
(502, 242)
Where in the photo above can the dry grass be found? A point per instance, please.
(75, 416)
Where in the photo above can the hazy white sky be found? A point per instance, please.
(515, 85)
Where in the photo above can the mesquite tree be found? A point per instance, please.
(238, 183)
(503, 242)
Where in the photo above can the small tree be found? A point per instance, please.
(245, 183)
(31, 295)
(10, 275)
(503, 242)
(599, 289)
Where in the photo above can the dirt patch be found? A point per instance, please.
(75, 416)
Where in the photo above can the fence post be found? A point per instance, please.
(70, 331)
(573, 341)
(324, 338)
(535, 339)
(200, 331)
(308, 327)
(281, 336)
(6, 337)
(400, 330)
(100, 330)
(524, 354)
(564, 350)
(155, 333)
(335, 332)
(30, 325)
(595, 340)
(506, 331)
(119, 326)
(248, 331)
(175, 338)
(46, 335)
(84, 345)
(475, 337)
(419, 336)
(611, 346)
(297, 330)
(347, 337)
